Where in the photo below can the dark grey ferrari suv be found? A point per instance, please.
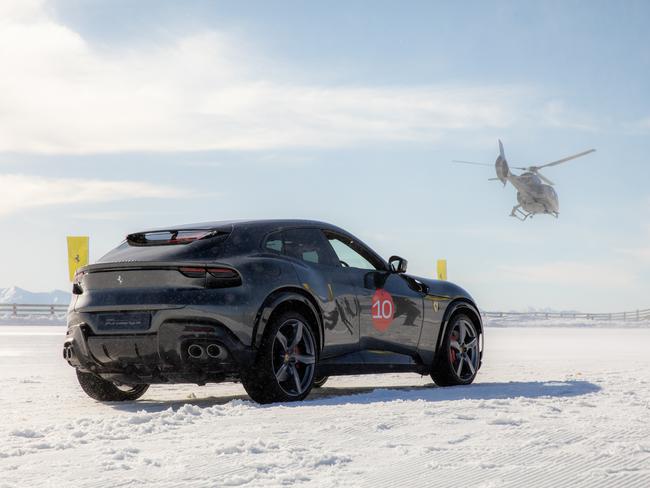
(279, 305)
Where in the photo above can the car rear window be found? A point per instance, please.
(170, 245)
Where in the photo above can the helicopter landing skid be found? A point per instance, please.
(519, 214)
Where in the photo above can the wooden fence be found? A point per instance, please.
(21, 310)
(633, 316)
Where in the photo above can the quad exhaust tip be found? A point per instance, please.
(214, 351)
(195, 351)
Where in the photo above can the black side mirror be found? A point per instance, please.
(397, 264)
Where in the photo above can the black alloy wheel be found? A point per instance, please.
(285, 367)
(108, 391)
(459, 357)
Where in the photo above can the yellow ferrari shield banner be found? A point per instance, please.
(442, 269)
(77, 253)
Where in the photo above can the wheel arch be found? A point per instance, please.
(288, 298)
(460, 305)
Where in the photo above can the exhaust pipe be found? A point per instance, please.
(214, 351)
(195, 351)
(70, 355)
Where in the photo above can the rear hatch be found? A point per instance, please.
(154, 270)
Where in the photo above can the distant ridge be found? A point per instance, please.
(21, 296)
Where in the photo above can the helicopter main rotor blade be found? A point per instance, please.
(564, 160)
(472, 162)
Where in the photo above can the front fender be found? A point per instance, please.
(461, 305)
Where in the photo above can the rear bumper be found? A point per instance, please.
(161, 356)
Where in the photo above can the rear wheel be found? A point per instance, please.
(284, 368)
(458, 359)
(320, 381)
(107, 391)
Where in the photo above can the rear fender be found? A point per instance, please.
(284, 298)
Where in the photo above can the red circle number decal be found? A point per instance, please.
(383, 310)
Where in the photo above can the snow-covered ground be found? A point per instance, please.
(551, 407)
(56, 319)
(533, 321)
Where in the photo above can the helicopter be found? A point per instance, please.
(535, 193)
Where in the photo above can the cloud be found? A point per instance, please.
(569, 274)
(640, 255)
(61, 94)
(20, 192)
(556, 114)
(643, 124)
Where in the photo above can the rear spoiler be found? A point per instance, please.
(172, 237)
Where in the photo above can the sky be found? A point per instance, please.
(118, 116)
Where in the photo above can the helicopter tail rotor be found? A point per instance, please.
(501, 151)
(501, 165)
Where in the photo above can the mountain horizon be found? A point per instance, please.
(15, 294)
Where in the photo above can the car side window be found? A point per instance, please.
(274, 242)
(308, 245)
(347, 255)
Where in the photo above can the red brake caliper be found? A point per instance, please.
(296, 350)
(452, 351)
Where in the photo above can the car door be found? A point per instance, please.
(320, 274)
(391, 309)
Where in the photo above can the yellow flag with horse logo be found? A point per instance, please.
(442, 269)
(77, 253)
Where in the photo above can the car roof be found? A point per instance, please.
(261, 224)
(264, 226)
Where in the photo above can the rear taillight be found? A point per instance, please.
(214, 277)
(192, 272)
(223, 272)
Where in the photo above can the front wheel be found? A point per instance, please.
(459, 357)
(285, 365)
(107, 391)
(320, 381)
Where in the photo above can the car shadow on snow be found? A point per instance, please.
(432, 393)
(369, 394)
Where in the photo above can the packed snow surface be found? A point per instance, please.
(551, 407)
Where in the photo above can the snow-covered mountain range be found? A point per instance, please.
(18, 295)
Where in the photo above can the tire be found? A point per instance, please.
(286, 362)
(459, 357)
(106, 391)
(320, 381)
